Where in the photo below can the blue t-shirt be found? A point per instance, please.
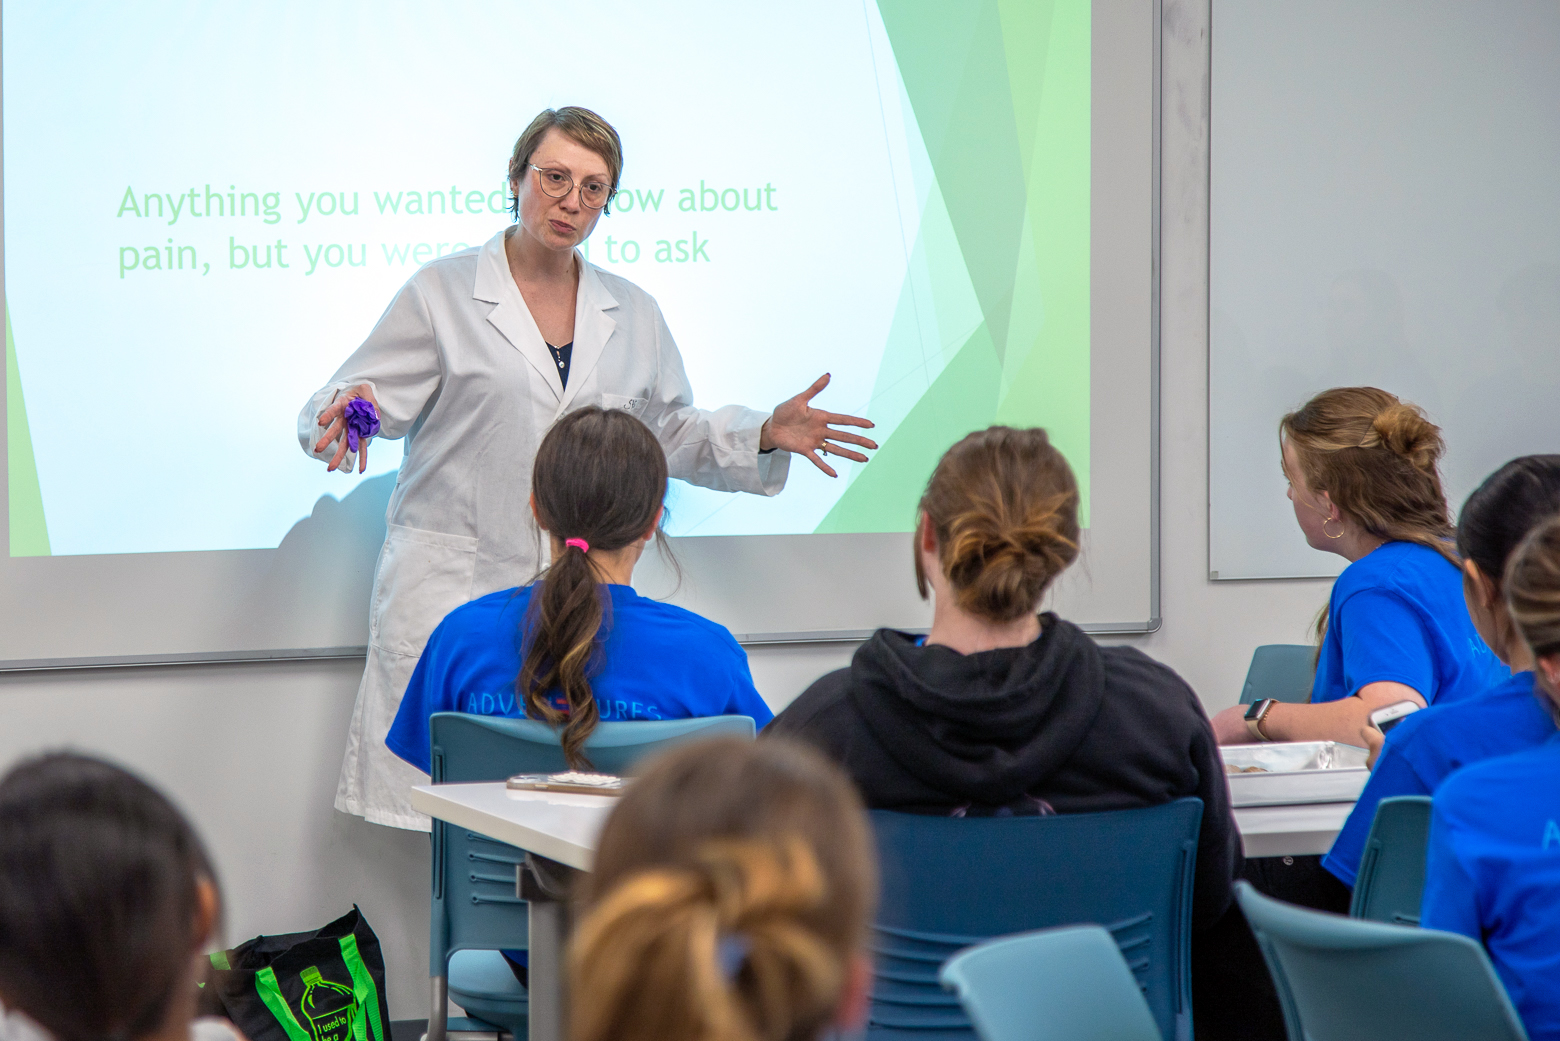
(1493, 874)
(1427, 746)
(1398, 614)
(657, 662)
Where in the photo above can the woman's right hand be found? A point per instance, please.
(333, 419)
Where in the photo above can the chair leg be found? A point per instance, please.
(438, 1012)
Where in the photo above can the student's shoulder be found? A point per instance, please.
(487, 610)
(1404, 569)
(816, 709)
(1129, 673)
(688, 625)
(1487, 789)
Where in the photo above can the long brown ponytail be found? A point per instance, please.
(599, 478)
(730, 895)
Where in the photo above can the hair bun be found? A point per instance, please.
(1407, 431)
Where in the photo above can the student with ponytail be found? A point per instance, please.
(729, 901)
(578, 645)
(1363, 477)
(1426, 747)
(107, 903)
(1493, 869)
(1002, 709)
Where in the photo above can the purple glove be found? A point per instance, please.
(362, 420)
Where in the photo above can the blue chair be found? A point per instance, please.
(1053, 985)
(949, 883)
(475, 910)
(1282, 671)
(1343, 979)
(1391, 883)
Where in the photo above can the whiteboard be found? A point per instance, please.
(308, 594)
(1385, 210)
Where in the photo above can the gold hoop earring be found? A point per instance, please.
(1329, 534)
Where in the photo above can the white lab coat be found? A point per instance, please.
(460, 370)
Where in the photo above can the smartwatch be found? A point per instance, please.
(1254, 717)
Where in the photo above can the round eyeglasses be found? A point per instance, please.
(557, 185)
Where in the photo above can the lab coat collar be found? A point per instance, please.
(592, 328)
(510, 316)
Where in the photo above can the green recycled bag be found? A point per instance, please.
(327, 985)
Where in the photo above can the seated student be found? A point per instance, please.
(107, 900)
(1493, 870)
(729, 901)
(579, 645)
(1425, 747)
(1362, 476)
(999, 709)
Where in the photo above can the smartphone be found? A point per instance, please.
(1384, 719)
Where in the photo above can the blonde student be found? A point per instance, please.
(729, 901)
(1364, 478)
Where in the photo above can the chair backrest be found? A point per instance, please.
(1343, 979)
(949, 883)
(1069, 984)
(1391, 881)
(474, 901)
(1282, 671)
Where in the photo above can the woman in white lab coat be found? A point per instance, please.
(475, 358)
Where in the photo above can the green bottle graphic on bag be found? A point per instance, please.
(329, 1007)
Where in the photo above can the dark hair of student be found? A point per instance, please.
(731, 891)
(1533, 589)
(1501, 511)
(1376, 457)
(99, 898)
(600, 477)
(1003, 504)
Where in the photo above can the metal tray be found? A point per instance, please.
(1296, 772)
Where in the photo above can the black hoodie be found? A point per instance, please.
(1060, 725)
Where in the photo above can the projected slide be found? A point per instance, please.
(207, 208)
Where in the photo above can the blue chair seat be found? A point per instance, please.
(483, 975)
(1344, 979)
(1281, 671)
(1391, 882)
(950, 883)
(1068, 984)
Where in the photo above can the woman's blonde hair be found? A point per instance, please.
(1376, 457)
(1003, 504)
(1533, 588)
(730, 894)
(580, 125)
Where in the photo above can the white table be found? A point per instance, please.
(561, 831)
(1306, 829)
(558, 831)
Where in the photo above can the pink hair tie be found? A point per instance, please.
(579, 544)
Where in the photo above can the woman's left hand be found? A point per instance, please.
(797, 427)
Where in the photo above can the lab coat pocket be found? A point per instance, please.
(423, 576)
(619, 402)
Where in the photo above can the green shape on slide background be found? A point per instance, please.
(1000, 91)
(29, 533)
(885, 494)
(1046, 365)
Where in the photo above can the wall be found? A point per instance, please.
(251, 751)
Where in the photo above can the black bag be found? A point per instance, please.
(321, 986)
